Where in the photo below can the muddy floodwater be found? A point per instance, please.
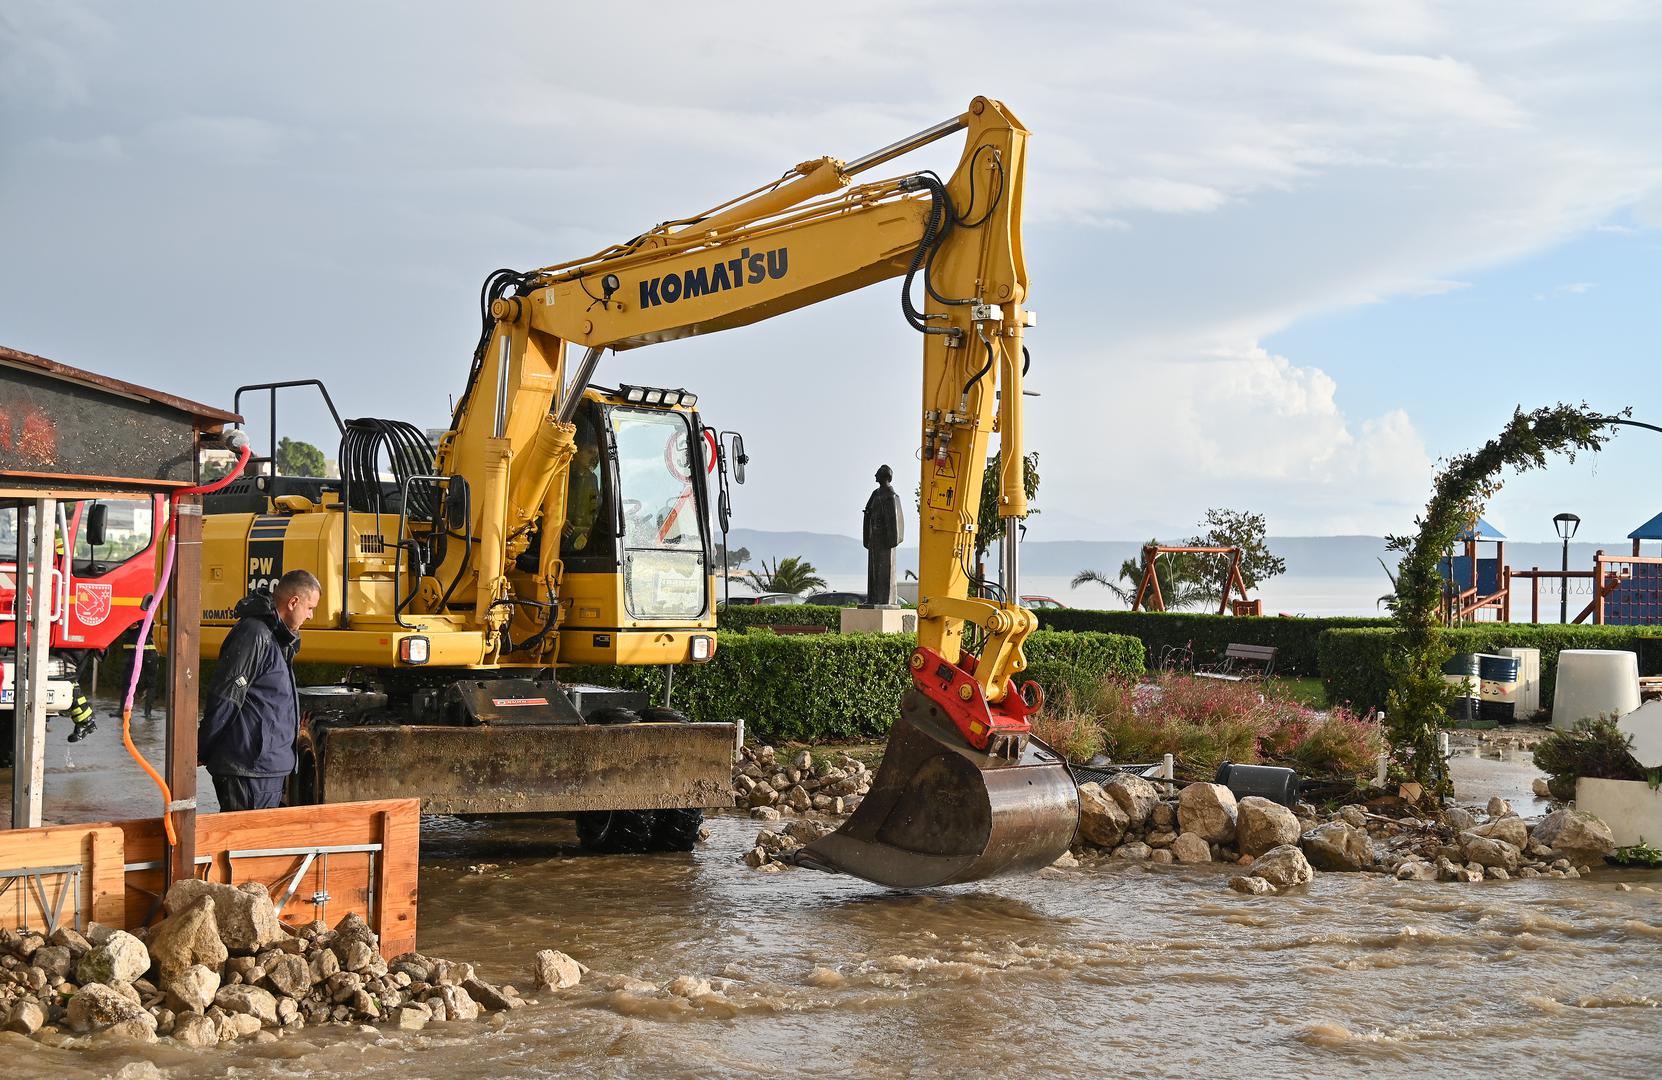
(1130, 970)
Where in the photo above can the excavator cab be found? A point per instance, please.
(635, 543)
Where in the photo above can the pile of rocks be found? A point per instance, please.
(1453, 845)
(1128, 817)
(772, 789)
(223, 967)
(774, 846)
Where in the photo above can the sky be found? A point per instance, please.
(1284, 257)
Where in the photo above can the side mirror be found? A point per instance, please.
(97, 515)
(737, 455)
(724, 513)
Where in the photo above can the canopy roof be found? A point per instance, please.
(1482, 531)
(1650, 530)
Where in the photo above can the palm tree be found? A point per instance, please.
(1173, 572)
(790, 574)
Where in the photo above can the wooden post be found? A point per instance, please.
(34, 593)
(1534, 594)
(184, 625)
(1598, 588)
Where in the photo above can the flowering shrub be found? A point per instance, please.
(1205, 722)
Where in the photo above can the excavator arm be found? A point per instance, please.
(813, 235)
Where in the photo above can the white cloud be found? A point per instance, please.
(1201, 176)
(1240, 426)
(1572, 288)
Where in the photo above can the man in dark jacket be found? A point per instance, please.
(248, 731)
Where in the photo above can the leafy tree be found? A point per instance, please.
(990, 529)
(1176, 574)
(736, 557)
(296, 458)
(1417, 703)
(1234, 528)
(213, 469)
(790, 574)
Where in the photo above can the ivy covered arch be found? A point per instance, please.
(1419, 698)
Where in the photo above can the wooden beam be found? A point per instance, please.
(184, 627)
(29, 684)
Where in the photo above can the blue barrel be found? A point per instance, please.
(1498, 688)
(1492, 668)
(1465, 663)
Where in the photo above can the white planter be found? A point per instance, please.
(1631, 809)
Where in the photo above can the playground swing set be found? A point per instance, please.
(1232, 597)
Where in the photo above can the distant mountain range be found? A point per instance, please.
(1307, 556)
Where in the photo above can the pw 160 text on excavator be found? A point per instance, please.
(563, 522)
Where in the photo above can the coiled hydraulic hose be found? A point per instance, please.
(144, 635)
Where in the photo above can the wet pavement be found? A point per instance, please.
(1127, 970)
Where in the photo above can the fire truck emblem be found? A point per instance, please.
(92, 602)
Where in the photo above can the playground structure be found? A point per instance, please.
(1149, 586)
(1474, 584)
(1622, 590)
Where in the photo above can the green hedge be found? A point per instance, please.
(1295, 639)
(1353, 661)
(814, 687)
(749, 615)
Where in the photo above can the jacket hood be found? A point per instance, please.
(261, 606)
(257, 605)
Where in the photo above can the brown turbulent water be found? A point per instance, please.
(1125, 971)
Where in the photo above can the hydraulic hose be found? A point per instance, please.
(144, 635)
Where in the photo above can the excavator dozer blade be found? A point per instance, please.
(942, 813)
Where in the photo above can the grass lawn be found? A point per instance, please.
(1306, 690)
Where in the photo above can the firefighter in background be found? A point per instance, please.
(151, 659)
(79, 712)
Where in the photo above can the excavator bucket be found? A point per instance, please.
(942, 813)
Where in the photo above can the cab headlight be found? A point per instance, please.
(412, 650)
(702, 647)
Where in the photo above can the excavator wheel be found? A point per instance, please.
(303, 784)
(616, 832)
(676, 830)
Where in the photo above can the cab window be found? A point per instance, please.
(665, 575)
(129, 526)
(587, 539)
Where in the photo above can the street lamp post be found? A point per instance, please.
(1566, 524)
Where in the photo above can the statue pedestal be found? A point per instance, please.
(858, 620)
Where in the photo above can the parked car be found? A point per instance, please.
(765, 598)
(1042, 603)
(837, 599)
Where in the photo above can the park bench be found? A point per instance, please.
(1243, 662)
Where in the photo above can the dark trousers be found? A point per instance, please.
(249, 792)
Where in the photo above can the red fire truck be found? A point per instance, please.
(103, 568)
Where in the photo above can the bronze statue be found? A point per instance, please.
(885, 528)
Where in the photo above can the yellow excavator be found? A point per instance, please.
(559, 521)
